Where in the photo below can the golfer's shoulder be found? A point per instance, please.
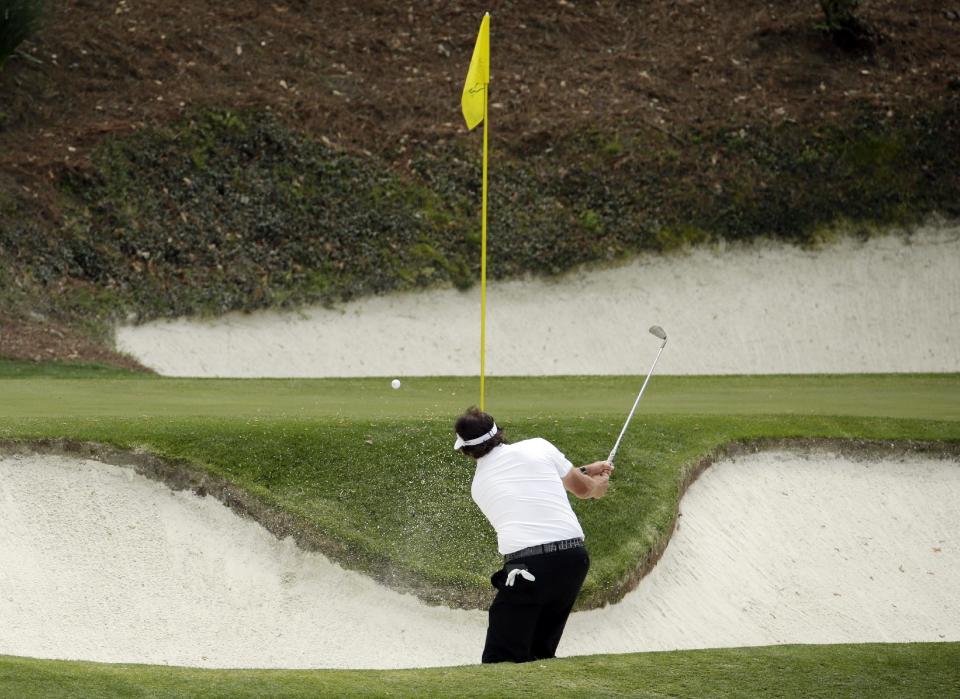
(536, 445)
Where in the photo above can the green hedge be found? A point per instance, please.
(226, 211)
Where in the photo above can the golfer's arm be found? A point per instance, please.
(584, 486)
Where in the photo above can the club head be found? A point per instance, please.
(658, 332)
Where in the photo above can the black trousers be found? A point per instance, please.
(527, 618)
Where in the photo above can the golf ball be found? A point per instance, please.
(395, 383)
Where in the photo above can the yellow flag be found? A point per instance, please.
(478, 76)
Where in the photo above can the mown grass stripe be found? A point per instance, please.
(875, 671)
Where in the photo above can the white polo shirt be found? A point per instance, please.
(518, 488)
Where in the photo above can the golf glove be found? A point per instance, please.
(512, 575)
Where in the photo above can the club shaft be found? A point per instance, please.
(613, 452)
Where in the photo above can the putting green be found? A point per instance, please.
(918, 396)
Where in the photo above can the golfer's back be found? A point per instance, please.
(519, 489)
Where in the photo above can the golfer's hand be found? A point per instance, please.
(600, 485)
(599, 468)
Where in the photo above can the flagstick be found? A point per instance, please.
(483, 251)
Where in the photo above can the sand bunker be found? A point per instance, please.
(890, 304)
(99, 563)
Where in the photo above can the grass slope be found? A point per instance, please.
(19, 369)
(894, 671)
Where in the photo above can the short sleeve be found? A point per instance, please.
(560, 462)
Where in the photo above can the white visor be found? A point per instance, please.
(461, 442)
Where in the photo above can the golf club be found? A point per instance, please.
(657, 331)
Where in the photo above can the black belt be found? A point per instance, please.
(544, 548)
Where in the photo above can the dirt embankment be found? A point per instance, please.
(160, 159)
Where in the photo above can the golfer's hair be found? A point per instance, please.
(473, 424)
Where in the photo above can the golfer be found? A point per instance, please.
(521, 489)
